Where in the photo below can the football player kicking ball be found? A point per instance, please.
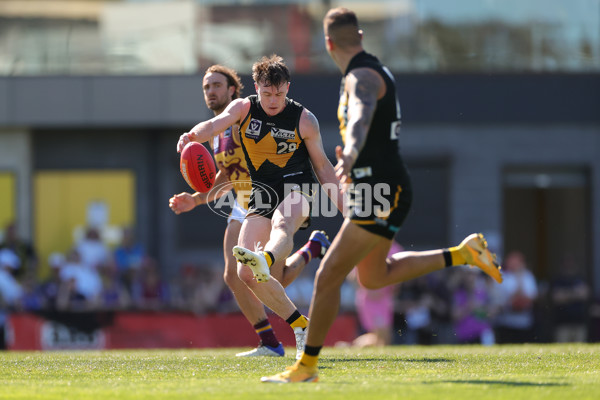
(370, 122)
(221, 85)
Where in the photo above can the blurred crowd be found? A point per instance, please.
(462, 305)
(465, 306)
(458, 305)
(93, 276)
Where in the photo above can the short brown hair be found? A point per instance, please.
(341, 25)
(271, 71)
(232, 78)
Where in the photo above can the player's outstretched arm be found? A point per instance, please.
(309, 129)
(222, 183)
(205, 130)
(184, 202)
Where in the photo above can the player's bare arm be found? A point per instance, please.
(364, 87)
(205, 130)
(222, 182)
(309, 129)
(184, 202)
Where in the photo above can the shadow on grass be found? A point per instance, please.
(504, 383)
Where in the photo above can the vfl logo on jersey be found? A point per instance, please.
(282, 133)
(395, 130)
(254, 127)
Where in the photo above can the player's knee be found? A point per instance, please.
(245, 275)
(230, 276)
(369, 282)
(326, 280)
(281, 224)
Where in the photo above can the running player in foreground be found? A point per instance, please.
(221, 85)
(370, 165)
(282, 146)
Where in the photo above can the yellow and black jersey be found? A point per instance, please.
(381, 205)
(380, 155)
(273, 145)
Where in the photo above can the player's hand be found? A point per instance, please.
(183, 140)
(343, 166)
(182, 202)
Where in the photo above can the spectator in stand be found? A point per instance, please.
(184, 288)
(210, 285)
(50, 287)
(514, 300)
(10, 289)
(197, 289)
(32, 298)
(80, 286)
(114, 295)
(150, 291)
(441, 291)
(472, 308)
(570, 295)
(414, 302)
(93, 252)
(24, 250)
(128, 257)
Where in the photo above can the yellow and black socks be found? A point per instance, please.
(269, 257)
(310, 357)
(453, 256)
(264, 330)
(297, 320)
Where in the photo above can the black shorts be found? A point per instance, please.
(379, 205)
(266, 196)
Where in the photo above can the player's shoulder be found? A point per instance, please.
(241, 101)
(309, 124)
(365, 74)
(365, 82)
(241, 104)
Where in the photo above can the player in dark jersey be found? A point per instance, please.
(282, 146)
(376, 180)
(222, 85)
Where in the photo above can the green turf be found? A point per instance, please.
(400, 372)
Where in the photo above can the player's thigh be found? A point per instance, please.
(255, 229)
(348, 248)
(291, 212)
(372, 269)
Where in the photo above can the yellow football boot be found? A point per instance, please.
(294, 374)
(475, 251)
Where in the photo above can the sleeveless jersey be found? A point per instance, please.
(273, 145)
(230, 159)
(380, 155)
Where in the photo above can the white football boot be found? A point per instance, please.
(300, 334)
(256, 261)
(263, 351)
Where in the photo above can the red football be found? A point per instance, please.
(197, 167)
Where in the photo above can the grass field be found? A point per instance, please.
(400, 372)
